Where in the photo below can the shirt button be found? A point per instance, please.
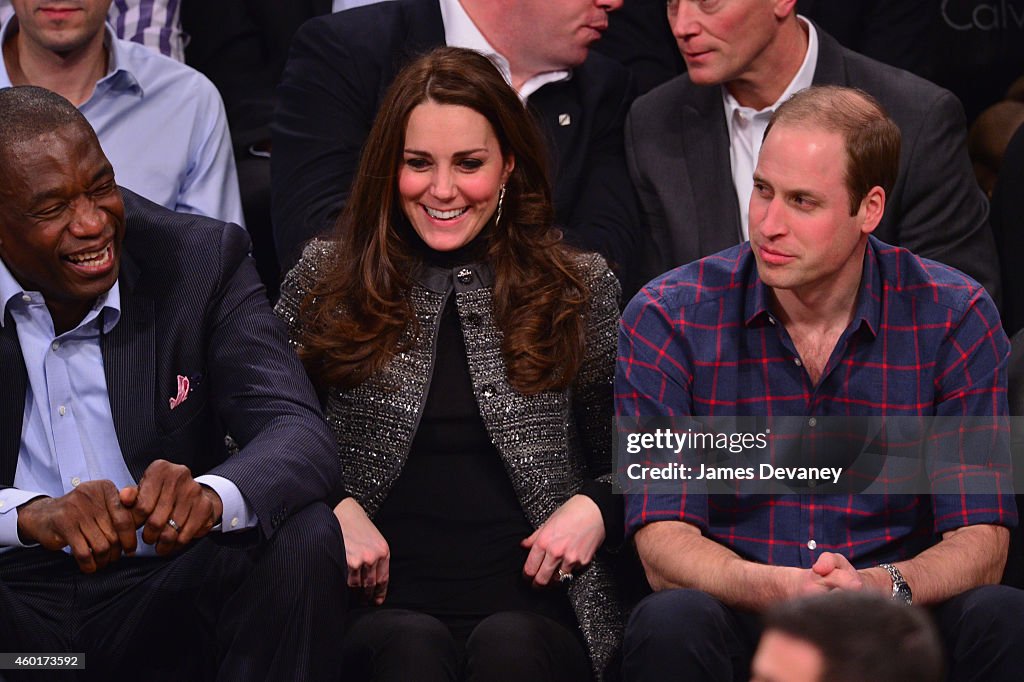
(812, 545)
(771, 320)
(465, 275)
(75, 481)
(26, 298)
(812, 422)
(234, 522)
(55, 345)
(796, 361)
(62, 410)
(2, 503)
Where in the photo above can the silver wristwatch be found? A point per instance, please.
(900, 589)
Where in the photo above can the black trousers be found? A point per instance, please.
(384, 644)
(688, 635)
(229, 608)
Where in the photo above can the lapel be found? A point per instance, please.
(424, 30)
(424, 27)
(12, 399)
(705, 139)
(831, 67)
(129, 364)
(548, 105)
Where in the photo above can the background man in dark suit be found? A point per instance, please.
(692, 143)
(340, 66)
(133, 339)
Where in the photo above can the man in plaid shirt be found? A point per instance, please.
(815, 318)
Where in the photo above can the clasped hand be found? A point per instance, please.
(831, 571)
(98, 521)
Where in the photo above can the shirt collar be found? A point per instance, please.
(804, 78)
(11, 290)
(119, 74)
(869, 298)
(460, 31)
(868, 311)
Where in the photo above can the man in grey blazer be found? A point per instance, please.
(692, 143)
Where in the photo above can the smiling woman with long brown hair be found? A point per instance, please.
(465, 359)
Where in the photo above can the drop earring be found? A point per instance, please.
(501, 200)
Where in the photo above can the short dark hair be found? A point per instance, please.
(863, 637)
(27, 111)
(871, 138)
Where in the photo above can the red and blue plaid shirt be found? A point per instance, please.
(925, 340)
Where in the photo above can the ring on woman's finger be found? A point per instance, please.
(564, 576)
(173, 524)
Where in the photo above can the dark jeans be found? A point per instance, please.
(688, 635)
(384, 644)
(225, 609)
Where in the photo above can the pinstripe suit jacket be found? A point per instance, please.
(192, 305)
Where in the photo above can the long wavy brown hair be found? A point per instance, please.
(354, 316)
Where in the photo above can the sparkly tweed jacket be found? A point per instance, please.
(549, 441)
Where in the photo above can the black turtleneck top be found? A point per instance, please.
(452, 519)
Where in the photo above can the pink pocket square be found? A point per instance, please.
(183, 389)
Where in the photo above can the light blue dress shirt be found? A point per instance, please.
(162, 126)
(67, 434)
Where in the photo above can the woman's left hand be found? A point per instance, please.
(566, 541)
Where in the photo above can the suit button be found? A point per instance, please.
(465, 276)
